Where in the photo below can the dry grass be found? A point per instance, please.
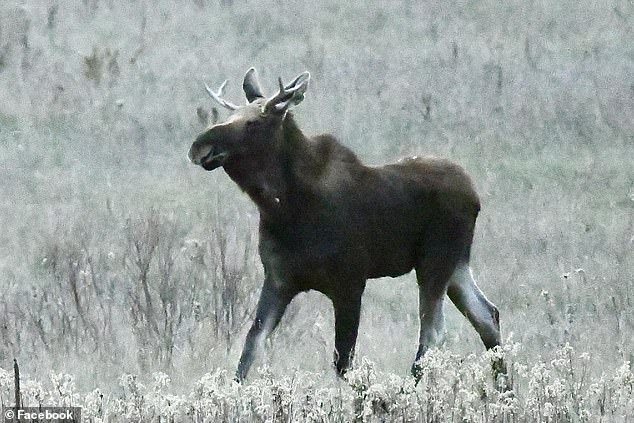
(453, 389)
(116, 256)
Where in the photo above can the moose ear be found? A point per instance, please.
(288, 95)
(251, 86)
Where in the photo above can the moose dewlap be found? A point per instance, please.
(329, 223)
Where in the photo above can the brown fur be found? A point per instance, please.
(328, 222)
(364, 221)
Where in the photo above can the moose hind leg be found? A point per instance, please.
(475, 306)
(432, 279)
(481, 313)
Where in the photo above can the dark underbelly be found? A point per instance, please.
(367, 241)
(324, 266)
(391, 261)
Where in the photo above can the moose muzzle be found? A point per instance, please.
(204, 154)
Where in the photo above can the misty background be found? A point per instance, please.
(117, 255)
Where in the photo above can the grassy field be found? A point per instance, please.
(125, 266)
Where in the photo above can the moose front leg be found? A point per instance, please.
(347, 307)
(271, 306)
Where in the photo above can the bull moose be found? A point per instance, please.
(328, 222)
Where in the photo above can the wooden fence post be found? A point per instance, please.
(16, 376)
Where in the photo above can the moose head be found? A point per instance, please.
(251, 129)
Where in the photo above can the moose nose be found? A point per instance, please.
(201, 151)
(192, 158)
(200, 148)
(198, 152)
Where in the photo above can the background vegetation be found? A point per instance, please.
(119, 257)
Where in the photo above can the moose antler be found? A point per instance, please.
(292, 93)
(217, 96)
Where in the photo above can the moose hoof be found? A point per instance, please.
(417, 371)
(341, 369)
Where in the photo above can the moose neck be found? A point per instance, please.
(269, 177)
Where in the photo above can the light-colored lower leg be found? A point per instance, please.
(432, 320)
(433, 275)
(482, 314)
(472, 302)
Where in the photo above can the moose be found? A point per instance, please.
(329, 223)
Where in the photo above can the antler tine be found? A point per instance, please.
(217, 96)
(290, 88)
(284, 91)
(284, 96)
